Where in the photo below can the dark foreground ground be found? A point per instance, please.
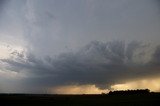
(152, 99)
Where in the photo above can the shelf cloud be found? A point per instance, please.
(99, 64)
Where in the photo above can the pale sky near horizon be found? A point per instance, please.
(71, 46)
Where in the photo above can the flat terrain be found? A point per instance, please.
(152, 99)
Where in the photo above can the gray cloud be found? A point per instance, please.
(66, 24)
(55, 36)
(156, 56)
(2, 4)
(102, 64)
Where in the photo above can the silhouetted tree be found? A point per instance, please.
(130, 92)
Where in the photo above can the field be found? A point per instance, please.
(152, 99)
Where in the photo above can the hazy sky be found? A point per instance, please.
(72, 46)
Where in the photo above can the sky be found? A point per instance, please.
(79, 46)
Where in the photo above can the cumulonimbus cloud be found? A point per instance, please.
(100, 64)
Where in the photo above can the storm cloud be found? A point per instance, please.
(53, 43)
(100, 64)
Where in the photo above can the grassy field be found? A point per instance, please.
(152, 99)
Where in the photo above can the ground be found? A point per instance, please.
(151, 99)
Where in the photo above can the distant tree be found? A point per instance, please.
(130, 92)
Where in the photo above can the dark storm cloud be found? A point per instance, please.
(102, 64)
(156, 56)
(2, 4)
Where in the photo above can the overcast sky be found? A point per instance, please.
(70, 46)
